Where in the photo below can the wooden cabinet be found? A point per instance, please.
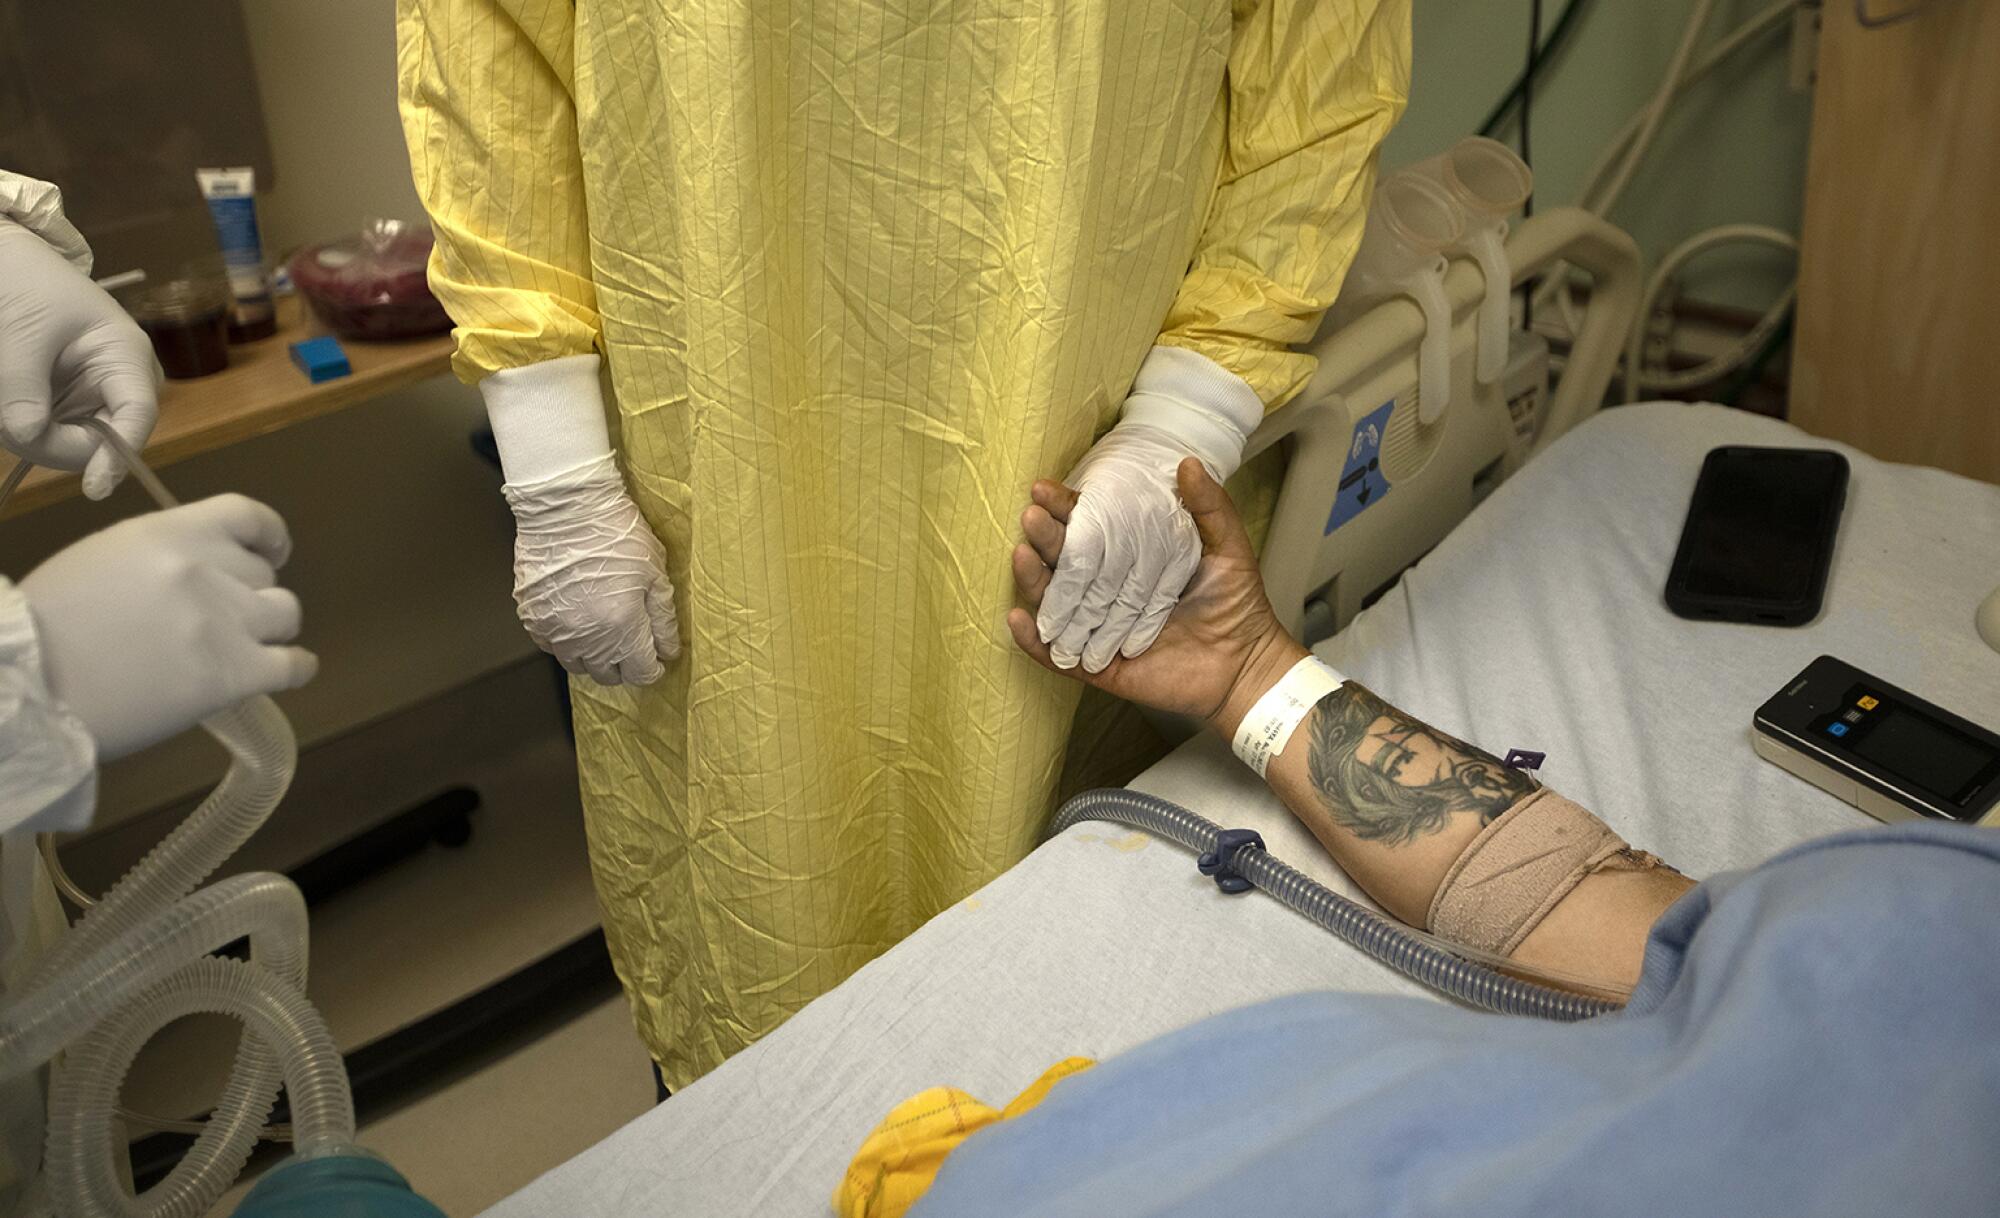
(1898, 344)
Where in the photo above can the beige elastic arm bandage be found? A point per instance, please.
(1520, 867)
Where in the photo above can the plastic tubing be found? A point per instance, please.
(1656, 110)
(276, 1015)
(1598, 201)
(1622, 148)
(1412, 953)
(139, 959)
(159, 971)
(1635, 343)
(262, 755)
(105, 1004)
(35, 1026)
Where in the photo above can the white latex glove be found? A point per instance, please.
(67, 349)
(1130, 547)
(590, 577)
(159, 621)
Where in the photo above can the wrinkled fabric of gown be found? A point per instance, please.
(861, 271)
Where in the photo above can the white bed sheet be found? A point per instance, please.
(1537, 624)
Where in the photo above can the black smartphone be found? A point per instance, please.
(1759, 536)
(1886, 751)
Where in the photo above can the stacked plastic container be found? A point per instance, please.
(1456, 202)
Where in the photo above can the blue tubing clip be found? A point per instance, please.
(1221, 861)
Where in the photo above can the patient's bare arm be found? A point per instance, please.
(1394, 800)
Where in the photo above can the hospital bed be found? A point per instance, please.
(1536, 623)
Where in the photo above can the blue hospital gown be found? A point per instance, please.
(1818, 1036)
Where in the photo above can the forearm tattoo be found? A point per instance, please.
(1387, 778)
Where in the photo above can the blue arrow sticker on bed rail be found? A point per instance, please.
(1362, 484)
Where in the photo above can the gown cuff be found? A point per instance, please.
(1197, 401)
(548, 418)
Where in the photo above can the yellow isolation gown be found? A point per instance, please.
(860, 272)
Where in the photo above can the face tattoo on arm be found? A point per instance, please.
(1386, 777)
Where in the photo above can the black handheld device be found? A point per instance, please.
(1759, 536)
(1882, 749)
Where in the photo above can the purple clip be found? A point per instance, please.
(1221, 861)
(1523, 759)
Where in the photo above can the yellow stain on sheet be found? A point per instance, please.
(1125, 843)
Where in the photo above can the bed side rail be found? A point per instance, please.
(1321, 566)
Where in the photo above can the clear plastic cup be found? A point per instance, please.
(1488, 183)
(1412, 221)
(188, 320)
(1487, 177)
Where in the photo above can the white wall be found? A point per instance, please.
(1734, 152)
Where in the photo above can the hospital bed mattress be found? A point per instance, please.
(1538, 623)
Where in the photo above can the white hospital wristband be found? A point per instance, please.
(1265, 731)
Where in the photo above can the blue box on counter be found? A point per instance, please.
(321, 359)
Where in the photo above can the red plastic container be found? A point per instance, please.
(371, 285)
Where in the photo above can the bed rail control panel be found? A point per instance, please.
(1886, 751)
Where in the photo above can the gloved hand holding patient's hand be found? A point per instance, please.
(1221, 642)
(67, 349)
(160, 621)
(1130, 546)
(590, 578)
(1129, 549)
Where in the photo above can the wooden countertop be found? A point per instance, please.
(260, 392)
